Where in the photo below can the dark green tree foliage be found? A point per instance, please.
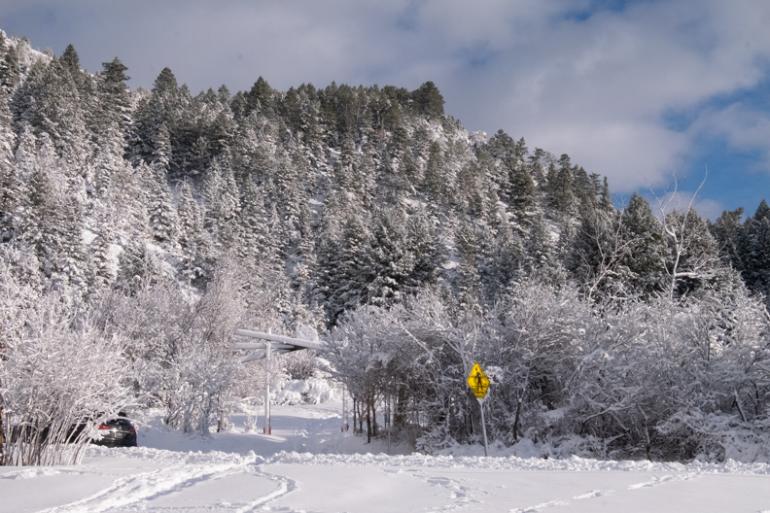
(521, 192)
(697, 263)
(261, 98)
(728, 232)
(755, 244)
(561, 195)
(197, 249)
(346, 269)
(114, 100)
(49, 101)
(428, 100)
(257, 245)
(597, 253)
(642, 234)
(162, 108)
(435, 178)
(101, 265)
(163, 222)
(57, 235)
(12, 187)
(221, 195)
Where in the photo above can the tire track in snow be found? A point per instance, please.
(130, 490)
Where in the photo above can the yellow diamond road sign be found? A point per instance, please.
(478, 381)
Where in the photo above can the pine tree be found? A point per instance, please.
(103, 274)
(641, 232)
(12, 188)
(435, 177)
(728, 232)
(256, 244)
(108, 159)
(50, 102)
(428, 100)
(260, 98)
(598, 253)
(114, 99)
(346, 269)
(57, 238)
(70, 60)
(693, 255)
(223, 204)
(192, 239)
(10, 70)
(756, 250)
(136, 267)
(522, 192)
(561, 196)
(162, 108)
(162, 217)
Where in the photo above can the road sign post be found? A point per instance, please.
(483, 426)
(268, 428)
(478, 382)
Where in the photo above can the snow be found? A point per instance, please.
(87, 236)
(308, 464)
(312, 390)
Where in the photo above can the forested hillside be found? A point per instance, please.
(373, 214)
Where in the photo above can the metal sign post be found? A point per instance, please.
(267, 428)
(478, 382)
(483, 426)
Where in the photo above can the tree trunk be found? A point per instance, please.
(368, 422)
(399, 416)
(2, 438)
(517, 419)
(374, 418)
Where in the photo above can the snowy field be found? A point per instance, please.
(307, 465)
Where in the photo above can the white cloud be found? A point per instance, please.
(597, 88)
(743, 128)
(680, 201)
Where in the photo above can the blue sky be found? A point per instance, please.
(649, 93)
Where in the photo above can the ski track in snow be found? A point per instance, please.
(134, 492)
(538, 507)
(285, 486)
(593, 494)
(194, 481)
(657, 481)
(590, 495)
(459, 495)
(137, 488)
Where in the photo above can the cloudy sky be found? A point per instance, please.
(649, 93)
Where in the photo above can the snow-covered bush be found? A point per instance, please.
(300, 364)
(628, 378)
(59, 376)
(181, 346)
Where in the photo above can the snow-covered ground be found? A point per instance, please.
(308, 465)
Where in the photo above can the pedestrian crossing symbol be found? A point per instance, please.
(478, 381)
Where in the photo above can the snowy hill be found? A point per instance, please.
(139, 230)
